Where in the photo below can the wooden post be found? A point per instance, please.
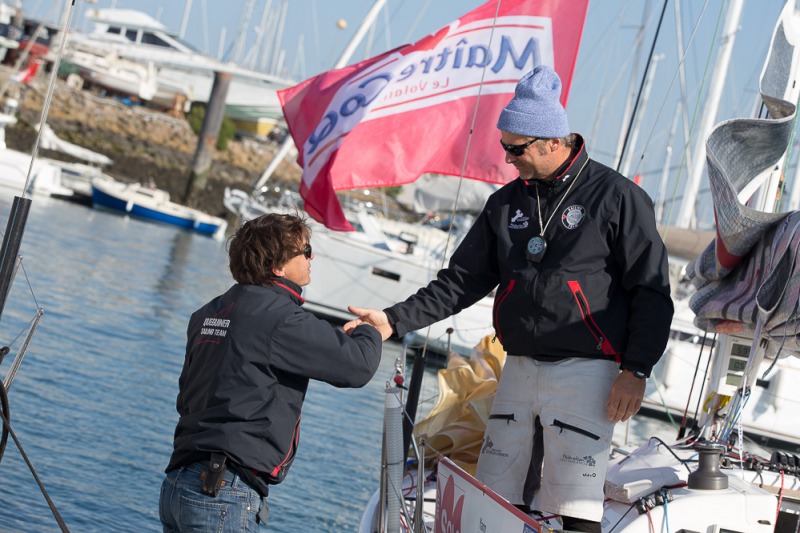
(207, 141)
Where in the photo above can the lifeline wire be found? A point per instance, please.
(50, 89)
(469, 137)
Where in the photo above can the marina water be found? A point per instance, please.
(93, 403)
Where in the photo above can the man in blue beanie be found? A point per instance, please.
(582, 308)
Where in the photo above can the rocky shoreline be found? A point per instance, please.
(142, 143)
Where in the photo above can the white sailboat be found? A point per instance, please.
(49, 177)
(713, 481)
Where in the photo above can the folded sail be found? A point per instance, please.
(751, 271)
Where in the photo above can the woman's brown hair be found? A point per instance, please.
(264, 244)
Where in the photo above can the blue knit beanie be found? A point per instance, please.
(535, 110)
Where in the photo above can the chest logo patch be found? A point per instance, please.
(518, 221)
(573, 216)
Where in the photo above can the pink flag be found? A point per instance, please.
(389, 119)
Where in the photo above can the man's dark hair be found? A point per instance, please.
(263, 244)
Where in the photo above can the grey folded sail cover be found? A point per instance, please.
(751, 271)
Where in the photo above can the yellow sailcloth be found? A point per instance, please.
(455, 425)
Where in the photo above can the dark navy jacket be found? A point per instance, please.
(601, 289)
(249, 357)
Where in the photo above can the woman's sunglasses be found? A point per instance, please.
(307, 251)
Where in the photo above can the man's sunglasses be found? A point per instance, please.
(517, 149)
(307, 251)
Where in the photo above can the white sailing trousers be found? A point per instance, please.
(548, 437)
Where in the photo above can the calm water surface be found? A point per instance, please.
(93, 404)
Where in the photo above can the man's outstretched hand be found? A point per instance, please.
(374, 317)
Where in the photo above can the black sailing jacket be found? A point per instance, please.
(601, 289)
(250, 354)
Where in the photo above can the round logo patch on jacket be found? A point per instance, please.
(573, 216)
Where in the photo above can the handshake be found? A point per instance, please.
(373, 317)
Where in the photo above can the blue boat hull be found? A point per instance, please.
(108, 201)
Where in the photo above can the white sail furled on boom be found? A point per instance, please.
(749, 277)
(435, 193)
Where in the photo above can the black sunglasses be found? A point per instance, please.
(307, 251)
(517, 149)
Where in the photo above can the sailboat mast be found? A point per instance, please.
(687, 156)
(270, 29)
(261, 39)
(247, 15)
(626, 165)
(634, 78)
(185, 22)
(686, 214)
(204, 13)
(662, 185)
(276, 44)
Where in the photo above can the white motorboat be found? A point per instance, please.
(45, 177)
(181, 71)
(104, 68)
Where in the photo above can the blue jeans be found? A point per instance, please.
(183, 508)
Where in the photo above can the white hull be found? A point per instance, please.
(349, 269)
(179, 71)
(247, 97)
(106, 69)
(46, 177)
(747, 505)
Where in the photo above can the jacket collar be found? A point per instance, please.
(293, 289)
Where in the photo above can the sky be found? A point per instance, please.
(608, 72)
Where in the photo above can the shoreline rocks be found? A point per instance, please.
(142, 143)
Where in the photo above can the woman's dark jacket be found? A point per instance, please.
(249, 357)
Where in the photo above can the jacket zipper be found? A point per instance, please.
(562, 426)
(292, 451)
(498, 302)
(586, 314)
